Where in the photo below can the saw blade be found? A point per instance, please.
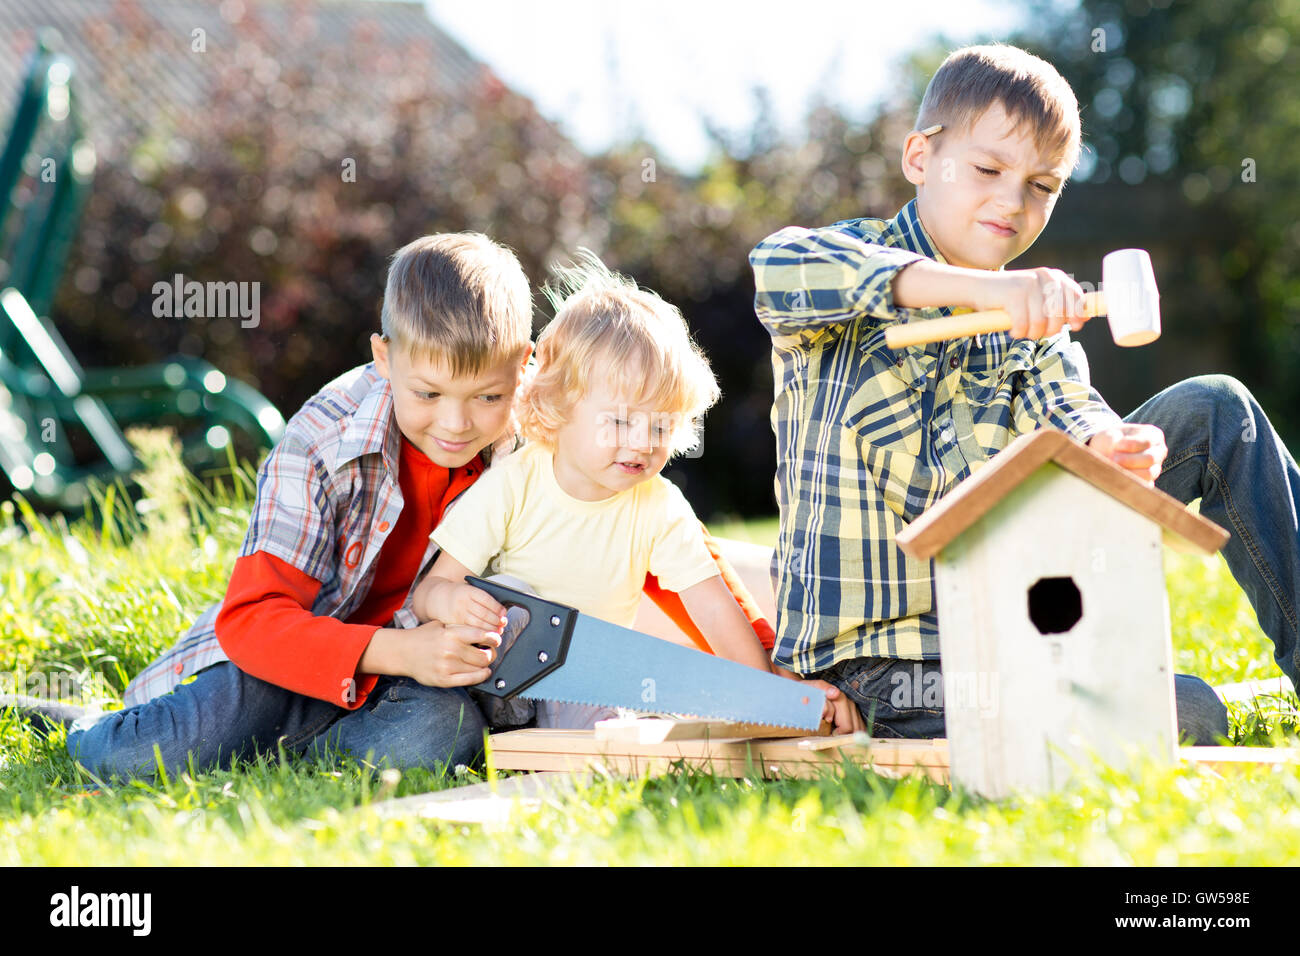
(612, 666)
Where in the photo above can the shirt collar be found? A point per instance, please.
(373, 428)
(912, 235)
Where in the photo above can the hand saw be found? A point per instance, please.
(564, 655)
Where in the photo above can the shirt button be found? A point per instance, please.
(383, 526)
(954, 362)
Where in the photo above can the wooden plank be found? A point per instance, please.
(486, 802)
(654, 730)
(578, 750)
(1235, 758)
(536, 749)
(1251, 690)
(568, 766)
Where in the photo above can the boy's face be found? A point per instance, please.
(984, 194)
(610, 444)
(448, 417)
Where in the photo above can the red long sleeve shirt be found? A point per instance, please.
(268, 630)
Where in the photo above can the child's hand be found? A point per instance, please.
(840, 710)
(435, 654)
(450, 656)
(1039, 301)
(462, 603)
(1138, 448)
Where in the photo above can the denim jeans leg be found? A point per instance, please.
(1224, 450)
(405, 724)
(897, 698)
(222, 715)
(1202, 717)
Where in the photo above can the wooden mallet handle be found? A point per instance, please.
(971, 323)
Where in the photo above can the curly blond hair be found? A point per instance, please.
(606, 325)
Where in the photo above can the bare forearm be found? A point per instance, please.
(430, 600)
(385, 654)
(719, 618)
(739, 646)
(926, 284)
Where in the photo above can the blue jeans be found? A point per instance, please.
(1223, 450)
(224, 715)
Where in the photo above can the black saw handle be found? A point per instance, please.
(537, 650)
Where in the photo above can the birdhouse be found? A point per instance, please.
(1053, 615)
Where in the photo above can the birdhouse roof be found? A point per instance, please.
(975, 497)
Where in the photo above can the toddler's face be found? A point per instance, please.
(448, 417)
(985, 194)
(610, 444)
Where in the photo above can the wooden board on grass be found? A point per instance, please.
(487, 802)
(655, 730)
(536, 749)
(577, 750)
(564, 754)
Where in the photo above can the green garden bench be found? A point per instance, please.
(46, 397)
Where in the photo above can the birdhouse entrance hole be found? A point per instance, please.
(1055, 605)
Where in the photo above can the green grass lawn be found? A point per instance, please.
(99, 596)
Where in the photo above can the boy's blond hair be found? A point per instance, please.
(460, 298)
(606, 328)
(1029, 88)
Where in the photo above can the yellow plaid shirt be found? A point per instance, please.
(868, 438)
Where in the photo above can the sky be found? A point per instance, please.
(591, 65)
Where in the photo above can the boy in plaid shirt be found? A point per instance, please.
(868, 437)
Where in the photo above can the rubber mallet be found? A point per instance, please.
(1128, 297)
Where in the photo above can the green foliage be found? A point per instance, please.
(105, 593)
(249, 187)
(301, 166)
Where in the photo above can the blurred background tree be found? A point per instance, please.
(250, 185)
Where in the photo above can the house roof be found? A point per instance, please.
(975, 497)
(134, 67)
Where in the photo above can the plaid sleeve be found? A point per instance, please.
(293, 518)
(808, 279)
(1057, 392)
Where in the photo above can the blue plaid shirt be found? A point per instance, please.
(868, 438)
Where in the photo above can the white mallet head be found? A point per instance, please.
(1128, 284)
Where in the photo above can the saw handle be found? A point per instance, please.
(970, 323)
(537, 650)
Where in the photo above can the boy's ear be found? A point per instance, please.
(379, 352)
(916, 157)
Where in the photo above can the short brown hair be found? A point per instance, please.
(458, 297)
(1029, 88)
(608, 328)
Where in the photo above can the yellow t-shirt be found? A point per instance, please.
(591, 555)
